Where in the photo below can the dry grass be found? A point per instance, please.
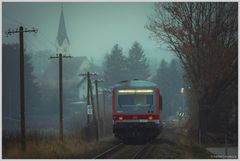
(52, 148)
(187, 148)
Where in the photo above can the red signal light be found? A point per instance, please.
(150, 118)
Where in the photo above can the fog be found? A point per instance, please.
(92, 28)
(83, 50)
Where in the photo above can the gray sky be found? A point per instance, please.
(93, 28)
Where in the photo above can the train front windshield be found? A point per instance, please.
(136, 103)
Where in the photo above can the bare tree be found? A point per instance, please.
(204, 36)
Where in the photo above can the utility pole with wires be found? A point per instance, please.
(21, 32)
(88, 74)
(90, 104)
(60, 57)
(94, 112)
(100, 121)
(97, 98)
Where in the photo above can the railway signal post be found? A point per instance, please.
(60, 57)
(21, 32)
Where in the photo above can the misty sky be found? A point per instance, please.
(92, 28)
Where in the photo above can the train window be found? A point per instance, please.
(137, 100)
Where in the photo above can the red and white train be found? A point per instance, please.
(136, 110)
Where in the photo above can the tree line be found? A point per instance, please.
(118, 67)
(168, 76)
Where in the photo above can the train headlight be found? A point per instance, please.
(150, 118)
(120, 118)
(135, 91)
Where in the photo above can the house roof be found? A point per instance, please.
(81, 81)
(62, 33)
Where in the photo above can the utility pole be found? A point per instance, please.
(88, 74)
(60, 57)
(22, 93)
(100, 122)
(94, 113)
(90, 99)
(97, 98)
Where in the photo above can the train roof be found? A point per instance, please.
(135, 83)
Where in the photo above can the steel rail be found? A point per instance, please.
(109, 151)
(140, 152)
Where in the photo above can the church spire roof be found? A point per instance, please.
(62, 33)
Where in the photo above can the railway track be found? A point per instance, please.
(140, 152)
(109, 151)
(123, 151)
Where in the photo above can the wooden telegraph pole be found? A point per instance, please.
(90, 99)
(94, 113)
(22, 93)
(88, 74)
(60, 57)
(99, 122)
(97, 98)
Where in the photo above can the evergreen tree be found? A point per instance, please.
(11, 86)
(10, 82)
(31, 88)
(40, 61)
(168, 79)
(115, 67)
(161, 78)
(137, 63)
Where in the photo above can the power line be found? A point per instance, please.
(16, 21)
(45, 37)
(40, 44)
(31, 45)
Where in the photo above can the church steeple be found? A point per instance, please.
(62, 38)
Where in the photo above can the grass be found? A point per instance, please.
(73, 146)
(173, 143)
(185, 147)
